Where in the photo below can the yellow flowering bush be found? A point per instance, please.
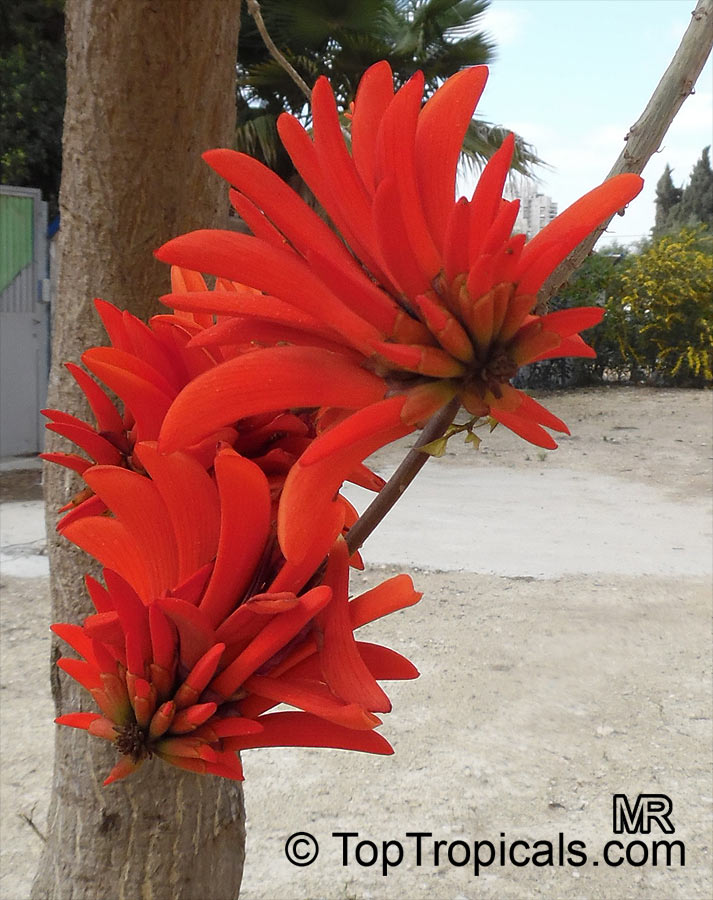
(664, 307)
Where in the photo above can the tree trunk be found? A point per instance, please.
(645, 136)
(150, 85)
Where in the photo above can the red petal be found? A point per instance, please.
(566, 322)
(298, 729)
(359, 292)
(92, 506)
(160, 357)
(82, 672)
(106, 359)
(241, 257)
(431, 361)
(318, 474)
(134, 618)
(199, 676)
(110, 542)
(312, 697)
(455, 248)
(78, 640)
(163, 638)
(485, 202)
(106, 414)
(526, 429)
(392, 230)
(70, 460)
(257, 222)
(446, 328)
(138, 505)
(304, 156)
(99, 595)
(373, 96)
(571, 346)
(244, 528)
(192, 502)
(264, 381)
(344, 670)
(338, 167)
(78, 719)
(500, 231)
(144, 392)
(397, 160)
(579, 220)
(230, 727)
(196, 637)
(283, 207)
(113, 322)
(93, 444)
(396, 593)
(386, 664)
(276, 634)
(531, 409)
(187, 720)
(125, 766)
(186, 280)
(442, 125)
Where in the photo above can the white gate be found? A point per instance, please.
(24, 319)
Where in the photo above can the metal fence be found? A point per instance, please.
(24, 319)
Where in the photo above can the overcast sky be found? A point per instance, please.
(571, 76)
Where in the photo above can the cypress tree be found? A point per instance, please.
(668, 198)
(697, 201)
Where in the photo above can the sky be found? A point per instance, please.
(571, 77)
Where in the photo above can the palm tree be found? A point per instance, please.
(340, 39)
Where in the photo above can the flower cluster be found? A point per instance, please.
(202, 626)
(212, 496)
(433, 296)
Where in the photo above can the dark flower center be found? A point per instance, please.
(132, 741)
(499, 367)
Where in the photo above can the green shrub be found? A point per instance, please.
(661, 312)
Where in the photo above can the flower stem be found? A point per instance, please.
(409, 468)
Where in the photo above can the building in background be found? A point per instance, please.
(536, 211)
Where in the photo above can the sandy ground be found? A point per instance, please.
(564, 644)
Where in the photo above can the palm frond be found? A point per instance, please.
(482, 139)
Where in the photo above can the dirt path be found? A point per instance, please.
(564, 658)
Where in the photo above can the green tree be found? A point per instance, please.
(697, 201)
(690, 206)
(32, 90)
(340, 39)
(662, 309)
(668, 196)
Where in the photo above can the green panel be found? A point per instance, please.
(16, 236)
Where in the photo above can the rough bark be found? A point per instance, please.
(644, 137)
(150, 85)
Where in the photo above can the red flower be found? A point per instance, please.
(202, 627)
(427, 298)
(147, 367)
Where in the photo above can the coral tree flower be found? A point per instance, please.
(146, 367)
(431, 297)
(201, 627)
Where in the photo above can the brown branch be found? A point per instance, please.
(644, 138)
(409, 468)
(254, 10)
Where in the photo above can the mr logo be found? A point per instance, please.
(648, 807)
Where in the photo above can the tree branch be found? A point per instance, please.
(254, 10)
(409, 468)
(644, 138)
